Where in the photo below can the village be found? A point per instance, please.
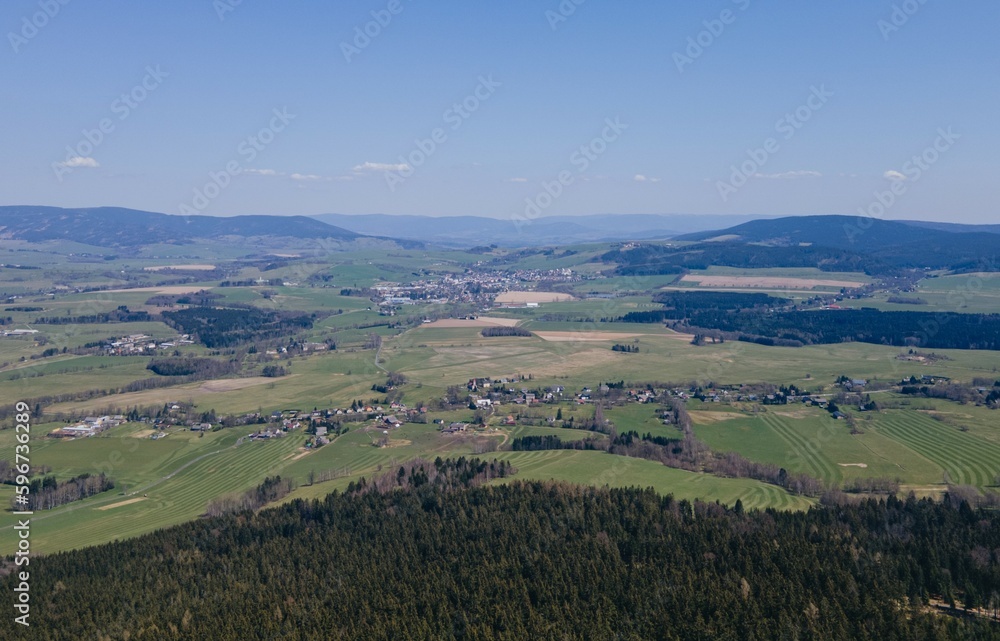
(502, 401)
(141, 344)
(478, 287)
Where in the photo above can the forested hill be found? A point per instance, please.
(883, 244)
(841, 232)
(118, 227)
(529, 561)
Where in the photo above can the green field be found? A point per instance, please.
(172, 480)
(907, 445)
(921, 442)
(600, 469)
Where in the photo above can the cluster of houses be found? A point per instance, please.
(323, 420)
(265, 435)
(490, 392)
(287, 421)
(279, 351)
(89, 426)
(137, 344)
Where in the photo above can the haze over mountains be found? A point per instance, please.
(549, 230)
(121, 227)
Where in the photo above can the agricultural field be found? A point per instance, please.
(925, 443)
(977, 293)
(772, 279)
(596, 468)
(921, 449)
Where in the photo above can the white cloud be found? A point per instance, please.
(261, 172)
(381, 166)
(517, 180)
(306, 177)
(802, 173)
(639, 178)
(894, 175)
(80, 161)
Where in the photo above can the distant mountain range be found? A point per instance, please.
(119, 227)
(467, 231)
(900, 243)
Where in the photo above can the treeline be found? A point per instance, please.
(46, 493)
(272, 489)
(201, 298)
(273, 371)
(189, 365)
(939, 330)
(270, 282)
(120, 315)
(223, 368)
(628, 349)
(872, 486)
(536, 443)
(683, 305)
(957, 392)
(505, 331)
(648, 259)
(690, 453)
(685, 452)
(444, 474)
(534, 561)
(687, 301)
(227, 327)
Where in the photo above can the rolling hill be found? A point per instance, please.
(120, 227)
(900, 244)
(840, 232)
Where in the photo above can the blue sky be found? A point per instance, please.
(203, 80)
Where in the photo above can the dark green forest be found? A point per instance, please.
(698, 300)
(430, 552)
(650, 259)
(505, 331)
(217, 327)
(937, 330)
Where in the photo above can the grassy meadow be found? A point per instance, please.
(923, 443)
